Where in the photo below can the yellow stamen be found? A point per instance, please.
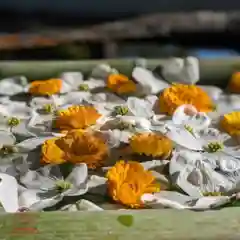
(214, 147)
(62, 185)
(120, 110)
(84, 87)
(13, 121)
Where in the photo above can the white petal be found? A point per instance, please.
(102, 71)
(31, 143)
(140, 107)
(228, 163)
(72, 78)
(146, 78)
(95, 83)
(157, 201)
(97, 185)
(212, 91)
(28, 198)
(78, 177)
(6, 138)
(184, 138)
(180, 116)
(76, 98)
(8, 87)
(8, 193)
(85, 205)
(210, 202)
(45, 203)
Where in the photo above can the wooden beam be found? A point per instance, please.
(122, 225)
(147, 26)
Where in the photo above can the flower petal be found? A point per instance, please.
(28, 198)
(78, 177)
(146, 79)
(8, 193)
(6, 138)
(140, 107)
(184, 138)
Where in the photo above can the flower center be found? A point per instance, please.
(188, 128)
(5, 150)
(120, 110)
(124, 125)
(62, 185)
(214, 147)
(48, 108)
(206, 194)
(13, 121)
(83, 87)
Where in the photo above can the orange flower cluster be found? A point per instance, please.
(120, 84)
(234, 83)
(128, 181)
(76, 147)
(76, 117)
(230, 123)
(47, 87)
(150, 144)
(179, 94)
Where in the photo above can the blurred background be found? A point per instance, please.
(74, 29)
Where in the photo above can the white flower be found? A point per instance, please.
(50, 186)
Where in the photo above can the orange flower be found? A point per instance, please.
(83, 147)
(179, 94)
(128, 181)
(150, 144)
(230, 123)
(234, 83)
(76, 117)
(51, 153)
(47, 87)
(120, 84)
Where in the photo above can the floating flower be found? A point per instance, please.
(179, 94)
(49, 185)
(150, 144)
(120, 84)
(128, 182)
(45, 87)
(76, 117)
(76, 147)
(234, 83)
(230, 123)
(51, 153)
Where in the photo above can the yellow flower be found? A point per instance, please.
(83, 147)
(150, 144)
(179, 94)
(51, 153)
(128, 181)
(76, 117)
(230, 123)
(234, 83)
(45, 87)
(120, 84)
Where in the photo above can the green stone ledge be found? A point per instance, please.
(212, 72)
(122, 225)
